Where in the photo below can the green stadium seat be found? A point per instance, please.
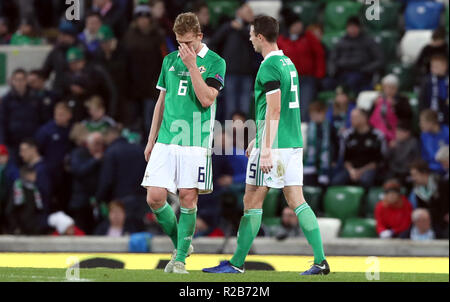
(330, 39)
(313, 196)
(219, 8)
(270, 207)
(3, 72)
(374, 195)
(389, 16)
(359, 228)
(404, 73)
(337, 13)
(308, 11)
(388, 41)
(343, 201)
(414, 103)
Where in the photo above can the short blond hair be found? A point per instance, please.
(95, 102)
(186, 23)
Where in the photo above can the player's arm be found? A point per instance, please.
(205, 93)
(156, 124)
(273, 99)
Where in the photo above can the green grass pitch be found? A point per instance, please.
(123, 275)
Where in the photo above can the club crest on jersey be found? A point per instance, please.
(172, 68)
(202, 69)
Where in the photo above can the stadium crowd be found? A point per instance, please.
(72, 133)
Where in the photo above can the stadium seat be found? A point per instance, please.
(329, 227)
(366, 99)
(374, 195)
(308, 11)
(423, 15)
(337, 13)
(343, 201)
(359, 228)
(265, 7)
(313, 196)
(389, 15)
(388, 41)
(404, 72)
(3, 72)
(330, 39)
(414, 103)
(412, 44)
(270, 207)
(221, 8)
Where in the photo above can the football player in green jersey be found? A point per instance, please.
(275, 156)
(180, 140)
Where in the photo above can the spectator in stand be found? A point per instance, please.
(113, 58)
(9, 173)
(393, 213)
(64, 225)
(112, 15)
(241, 61)
(434, 88)
(442, 157)
(79, 134)
(36, 82)
(308, 56)
(26, 211)
(158, 12)
(338, 115)
(388, 108)
(54, 144)
(19, 114)
(355, 58)
(431, 192)
(201, 9)
(29, 153)
(90, 35)
(403, 150)
(85, 80)
(85, 165)
(117, 224)
(362, 152)
(56, 60)
(433, 137)
(121, 179)
(288, 228)
(27, 34)
(317, 158)
(421, 226)
(5, 35)
(438, 45)
(145, 47)
(98, 120)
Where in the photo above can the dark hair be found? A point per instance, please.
(94, 14)
(30, 142)
(430, 116)
(19, 70)
(404, 125)
(39, 73)
(64, 106)
(240, 113)
(353, 20)
(439, 33)
(198, 5)
(317, 106)
(439, 57)
(420, 165)
(267, 27)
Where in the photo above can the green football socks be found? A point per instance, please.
(310, 227)
(248, 229)
(186, 231)
(168, 222)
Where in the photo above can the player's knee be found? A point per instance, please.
(188, 198)
(156, 199)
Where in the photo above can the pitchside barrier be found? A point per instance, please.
(13, 57)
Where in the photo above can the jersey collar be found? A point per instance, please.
(202, 52)
(274, 53)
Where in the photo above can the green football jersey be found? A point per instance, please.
(185, 122)
(278, 73)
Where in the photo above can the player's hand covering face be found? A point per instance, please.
(188, 56)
